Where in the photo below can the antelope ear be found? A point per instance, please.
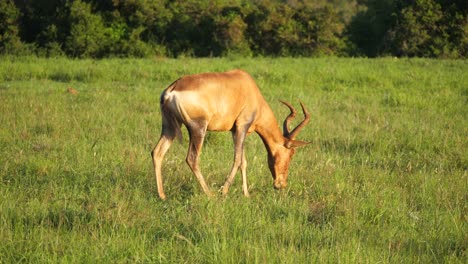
(295, 143)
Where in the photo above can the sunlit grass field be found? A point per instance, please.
(383, 181)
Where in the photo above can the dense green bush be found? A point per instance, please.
(87, 32)
(422, 28)
(141, 28)
(9, 31)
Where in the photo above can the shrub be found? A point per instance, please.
(10, 42)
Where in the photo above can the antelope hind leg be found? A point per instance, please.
(158, 155)
(197, 135)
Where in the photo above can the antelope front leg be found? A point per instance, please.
(239, 137)
(243, 168)
(231, 176)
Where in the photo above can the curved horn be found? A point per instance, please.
(292, 134)
(288, 119)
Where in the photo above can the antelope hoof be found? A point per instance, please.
(279, 185)
(209, 194)
(225, 188)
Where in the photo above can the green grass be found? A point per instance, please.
(384, 180)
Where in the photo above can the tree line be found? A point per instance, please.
(141, 28)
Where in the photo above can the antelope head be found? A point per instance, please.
(280, 158)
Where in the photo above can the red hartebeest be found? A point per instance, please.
(229, 101)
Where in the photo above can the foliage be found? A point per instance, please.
(203, 28)
(422, 28)
(369, 29)
(87, 31)
(383, 181)
(419, 31)
(10, 42)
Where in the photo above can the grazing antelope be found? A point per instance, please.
(229, 101)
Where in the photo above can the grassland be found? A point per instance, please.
(384, 180)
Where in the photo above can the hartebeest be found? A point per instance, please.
(228, 101)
